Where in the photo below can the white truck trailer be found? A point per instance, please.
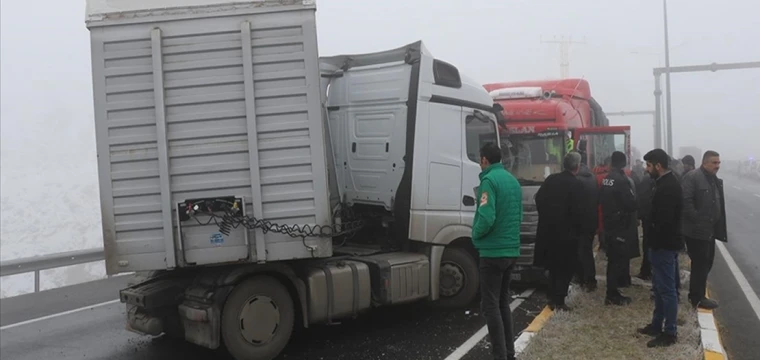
(253, 186)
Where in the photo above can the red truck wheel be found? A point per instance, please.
(257, 319)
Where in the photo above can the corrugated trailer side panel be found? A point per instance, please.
(223, 105)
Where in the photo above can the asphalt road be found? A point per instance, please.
(738, 323)
(407, 332)
(743, 215)
(30, 306)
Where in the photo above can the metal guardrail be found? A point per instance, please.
(38, 263)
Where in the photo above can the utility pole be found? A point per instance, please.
(564, 53)
(686, 69)
(668, 109)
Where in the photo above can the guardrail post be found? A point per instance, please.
(37, 281)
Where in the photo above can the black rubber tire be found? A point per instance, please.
(239, 347)
(469, 291)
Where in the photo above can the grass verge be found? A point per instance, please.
(595, 331)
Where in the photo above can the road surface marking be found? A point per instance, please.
(754, 301)
(737, 188)
(758, 195)
(710, 336)
(10, 326)
(540, 320)
(533, 328)
(463, 349)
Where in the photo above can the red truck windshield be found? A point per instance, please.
(532, 157)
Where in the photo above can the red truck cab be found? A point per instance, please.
(543, 121)
(544, 115)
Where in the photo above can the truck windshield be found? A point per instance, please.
(479, 130)
(600, 147)
(532, 157)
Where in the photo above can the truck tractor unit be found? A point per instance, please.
(253, 186)
(543, 121)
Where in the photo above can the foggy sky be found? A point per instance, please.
(46, 109)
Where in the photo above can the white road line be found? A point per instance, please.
(737, 188)
(463, 349)
(754, 301)
(758, 195)
(10, 326)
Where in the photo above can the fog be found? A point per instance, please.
(49, 184)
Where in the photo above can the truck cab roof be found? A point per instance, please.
(563, 104)
(573, 87)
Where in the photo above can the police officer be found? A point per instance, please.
(619, 216)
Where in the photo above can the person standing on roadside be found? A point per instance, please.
(644, 195)
(677, 167)
(665, 223)
(619, 207)
(601, 172)
(689, 163)
(560, 221)
(638, 173)
(496, 236)
(704, 221)
(586, 272)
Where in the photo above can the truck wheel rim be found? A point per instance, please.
(452, 279)
(259, 320)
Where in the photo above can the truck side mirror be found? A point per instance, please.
(497, 110)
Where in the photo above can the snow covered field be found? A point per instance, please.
(49, 199)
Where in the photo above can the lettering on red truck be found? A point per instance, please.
(522, 130)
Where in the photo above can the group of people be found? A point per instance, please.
(676, 210)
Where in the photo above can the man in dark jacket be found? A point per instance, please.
(665, 223)
(689, 163)
(618, 200)
(703, 221)
(586, 267)
(677, 167)
(560, 219)
(638, 173)
(644, 195)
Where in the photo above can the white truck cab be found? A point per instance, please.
(406, 133)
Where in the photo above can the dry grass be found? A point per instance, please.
(595, 331)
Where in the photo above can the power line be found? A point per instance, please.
(564, 53)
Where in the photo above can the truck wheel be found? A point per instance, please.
(459, 279)
(257, 319)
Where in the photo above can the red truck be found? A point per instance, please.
(542, 121)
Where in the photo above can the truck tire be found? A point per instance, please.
(257, 319)
(459, 279)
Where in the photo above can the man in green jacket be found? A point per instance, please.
(496, 236)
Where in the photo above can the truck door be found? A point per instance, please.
(477, 130)
(444, 165)
(601, 142)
